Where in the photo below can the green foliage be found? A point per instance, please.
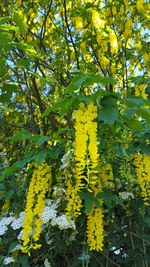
(55, 55)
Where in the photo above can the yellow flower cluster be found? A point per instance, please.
(95, 230)
(106, 175)
(74, 201)
(113, 43)
(5, 207)
(86, 173)
(128, 28)
(142, 164)
(96, 20)
(86, 157)
(35, 205)
(78, 23)
(139, 5)
(140, 91)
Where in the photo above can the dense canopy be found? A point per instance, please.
(74, 133)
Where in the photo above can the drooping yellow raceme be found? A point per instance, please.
(80, 150)
(96, 20)
(6, 205)
(86, 145)
(106, 175)
(78, 23)
(140, 91)
(128, 28)
(113, 43)
(95, 235)
(140, 5)
(86, 174)
(74, 204)
(142, 165)
(34, 206)
(86, 157)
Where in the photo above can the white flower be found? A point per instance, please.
(20, 236)
(126, 195)
(58, 191)
(62, 222)
(49, 240)
(48, 214)
(4, 222)
(16, 248)
(18, 223)
(8, 260)
(3, 229)
(66, 159)
(47, 263)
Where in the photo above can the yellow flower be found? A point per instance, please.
(78, 23)
(142, 165)
(140, 5)
(140, 91)
(95, 232)
(83, 46)
(35, 204)
(113, 43)
(96, 20)
(128, 28)
(5, 207)
(86, 158)
(106, 175)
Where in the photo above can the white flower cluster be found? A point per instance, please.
(66, 159)
(16, 248)
(47, 263)
(17, 223)
(126, 195)
(62, 222)
(4, 223)
(49, 214)
(8, 260)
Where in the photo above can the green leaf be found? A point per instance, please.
(5, 40)
(86, 80)
(108, 115)
(140, 80)
(24, 260)
(29, 51)
(119, 150)
(134, 124)
(129, 112)
(12, 246)
(89, 200)
(84, 257)
(56, 106)
(9, 88)
(109, 197)
(2, 187)
(145, 114)
(40, 156)
(24, 135)
(8, 28)
(8, 172)
(89, 203)
(135, 101)
(20, 136)
(23, 63)
(20, 21)
(39, 139)
(9, 194)
(21, 163)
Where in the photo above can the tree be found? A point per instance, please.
(75, 131)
